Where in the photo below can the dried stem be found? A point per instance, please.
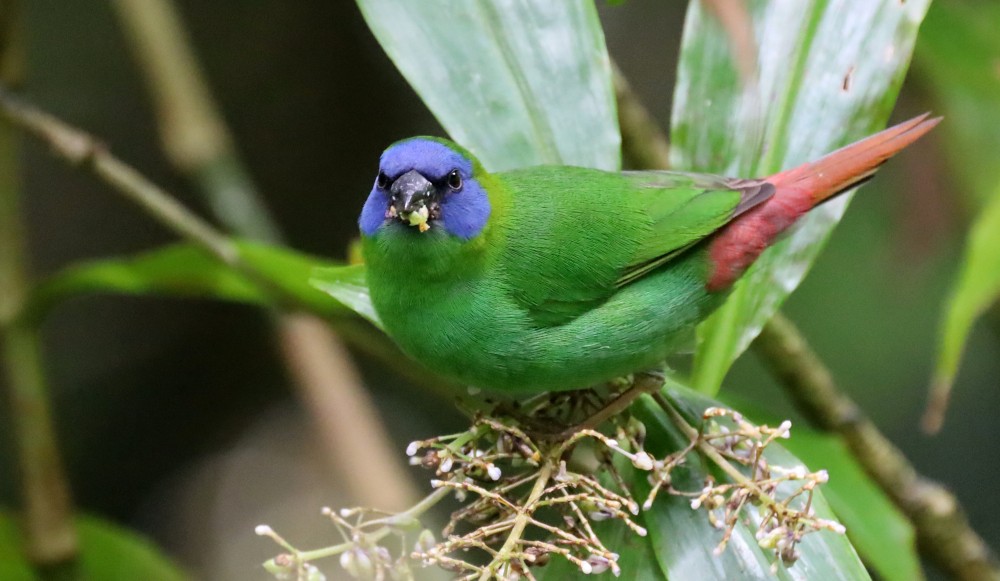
(505, 554)
(944, 535)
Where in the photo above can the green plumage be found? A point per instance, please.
(554, 278)
(566, 286)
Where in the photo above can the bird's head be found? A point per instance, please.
(427, 184)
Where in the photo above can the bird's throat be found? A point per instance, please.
(421, 255)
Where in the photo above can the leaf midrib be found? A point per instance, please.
(544, 136)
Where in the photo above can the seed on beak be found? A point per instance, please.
(418, 218)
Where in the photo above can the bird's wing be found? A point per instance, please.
(575, 236)
(699, 205)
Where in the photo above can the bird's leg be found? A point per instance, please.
(644, 382)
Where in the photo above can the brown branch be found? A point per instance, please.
(943, 532)
(80, 149)
(47, 513)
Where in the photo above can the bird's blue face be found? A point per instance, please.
(426, 185)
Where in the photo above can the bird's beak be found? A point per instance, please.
(412, 193)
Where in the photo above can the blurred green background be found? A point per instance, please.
(176, 417)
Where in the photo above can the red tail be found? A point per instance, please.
(799, 189)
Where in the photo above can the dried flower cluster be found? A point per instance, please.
(781, 498)
(517, 490)
(528, 497)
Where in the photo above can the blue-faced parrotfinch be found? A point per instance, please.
(557, 277)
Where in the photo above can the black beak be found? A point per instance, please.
(410, 192)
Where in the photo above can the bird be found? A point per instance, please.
(553, 278)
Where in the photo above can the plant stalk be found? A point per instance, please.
(46, 513)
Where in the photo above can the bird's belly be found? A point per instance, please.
(482, 337)
(499, 350)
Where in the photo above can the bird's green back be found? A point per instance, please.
(573, 236)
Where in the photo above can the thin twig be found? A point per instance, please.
(710, 451)
(645, 382)
(386, 527)
(522, 519)
(943, 532)
(79, 149)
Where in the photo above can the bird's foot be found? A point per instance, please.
(642, 382)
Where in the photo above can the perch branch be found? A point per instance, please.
(943, 532)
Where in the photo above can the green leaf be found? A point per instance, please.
(180, 270)
(276, 275)
(107, 552)
(348, 286)
(976, 288)
(520, 83)
(685, 541)
(959, 53)
(827, 73)
(291, 272)
(638, 561)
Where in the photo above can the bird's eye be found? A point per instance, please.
(382, 181)
(455, 180)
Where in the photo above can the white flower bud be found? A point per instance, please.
(642, 461)
(425, 541)
(598, 564)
